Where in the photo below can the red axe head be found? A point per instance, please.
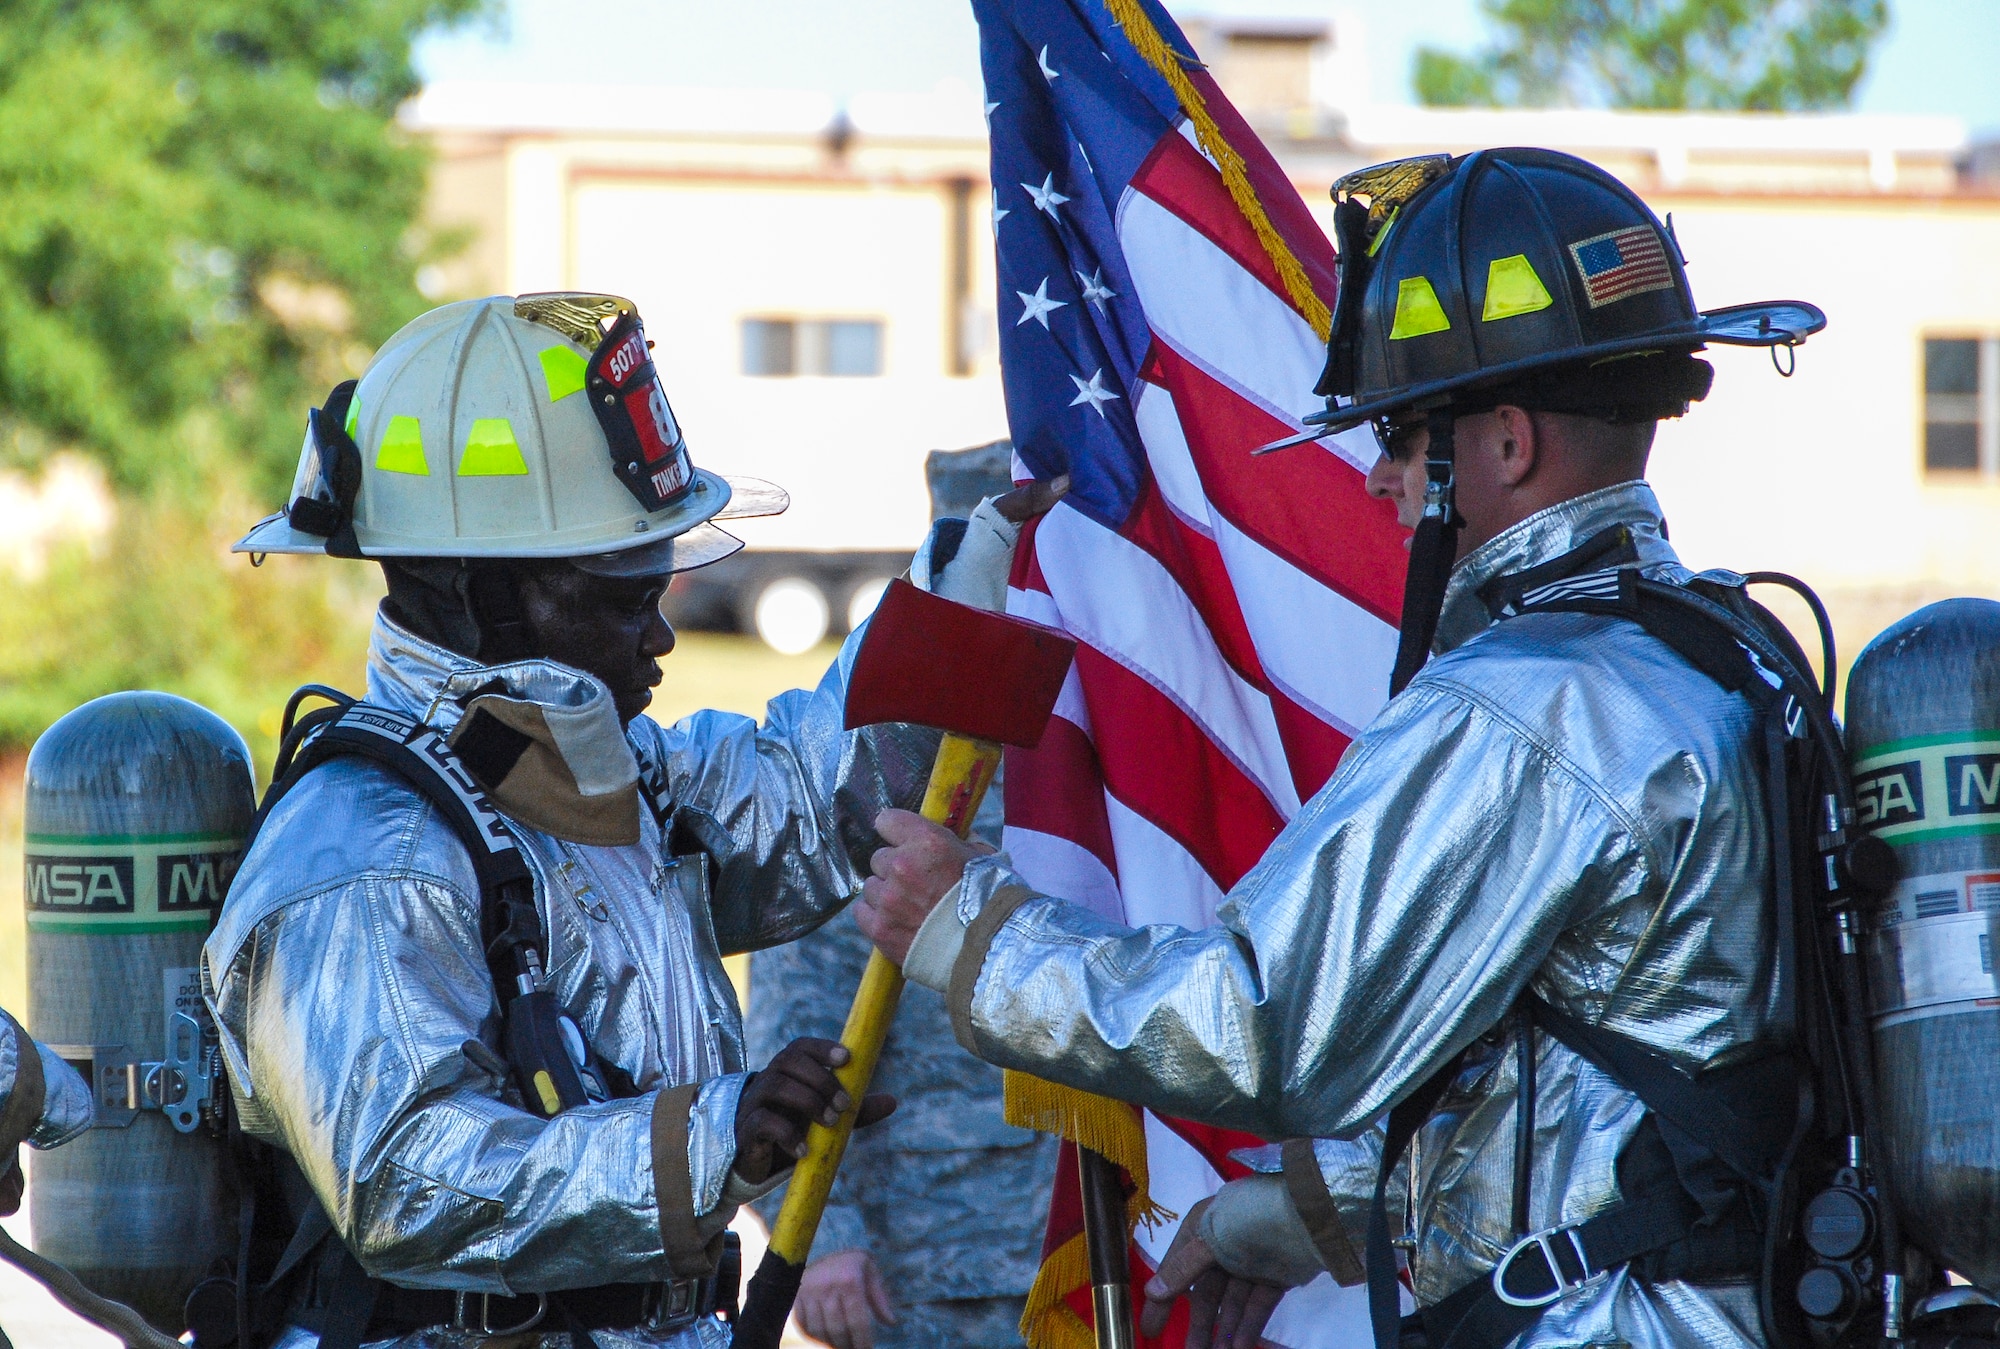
(939, 663)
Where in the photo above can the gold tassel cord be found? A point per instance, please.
(1146, 40)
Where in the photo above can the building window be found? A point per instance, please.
(1962, 404)
(774, 346)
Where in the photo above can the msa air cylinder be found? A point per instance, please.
(137, 807)
(1923, 726)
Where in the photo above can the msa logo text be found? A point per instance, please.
(79, 884)
(1972, 784)
(1891, 794)
(195, 880)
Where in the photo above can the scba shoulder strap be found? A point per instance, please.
(547, 1058)
(551, 1074)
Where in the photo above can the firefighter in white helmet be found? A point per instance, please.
(514, 466)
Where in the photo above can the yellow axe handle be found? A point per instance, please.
(960, 776)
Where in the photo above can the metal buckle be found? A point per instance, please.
(486, 1326)
(676, 1303)
(1544, 1241)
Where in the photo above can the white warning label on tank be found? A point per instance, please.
(1935, 896)
(182, 987)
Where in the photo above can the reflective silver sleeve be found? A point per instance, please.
(349, 1009)
(787, 809)
(712, 1141)
(1397, 917)
(67, 1104)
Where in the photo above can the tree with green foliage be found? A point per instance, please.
(210, 217)
(1739, 55)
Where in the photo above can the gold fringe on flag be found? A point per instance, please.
(1112, 1130)
(1047, 1322)
(1109, 1128)
(1146, 39)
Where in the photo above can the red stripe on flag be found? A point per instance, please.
(1175, 174)
(1161, 765)
(1312, 747)
(1214, 1144)
(1026, 573)
(1304, 504)
(1058, 788)
(1196, 563)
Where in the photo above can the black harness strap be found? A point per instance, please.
(1379, 1254)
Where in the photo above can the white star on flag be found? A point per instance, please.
(1093, 393)
(989, 112)
(999, 212)
(1042, 60)
(1039, 306)
(1046, 197)
(1094, 289)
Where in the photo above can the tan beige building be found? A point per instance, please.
(819, 281)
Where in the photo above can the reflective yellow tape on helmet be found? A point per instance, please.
(1417, 310)
(562, 370)
(402, 448)
(353, 415)
(491, 451)
(1513, 288)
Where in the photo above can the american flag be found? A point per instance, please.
(1621, 264)
(1236, 615)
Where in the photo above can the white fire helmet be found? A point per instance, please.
(533, 428)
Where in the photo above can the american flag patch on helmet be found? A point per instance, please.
(1622, 264)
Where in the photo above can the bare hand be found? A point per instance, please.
(796, 1090)
(922, 861)
(841, 1298)
(1234, 1311)
(1025, 503)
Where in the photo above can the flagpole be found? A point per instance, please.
(1108, 1238)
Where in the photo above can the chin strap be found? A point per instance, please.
(1432, 553)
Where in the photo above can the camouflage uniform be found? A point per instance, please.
(948, 1198)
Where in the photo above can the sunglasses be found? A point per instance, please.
(1394, 438)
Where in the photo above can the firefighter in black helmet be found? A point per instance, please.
(1520, 277)
(1545, 862)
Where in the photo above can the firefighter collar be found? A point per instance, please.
(544, 740)
(1543, 537)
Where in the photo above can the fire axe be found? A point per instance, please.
(986, 680)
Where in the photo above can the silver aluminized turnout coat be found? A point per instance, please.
(347, 978)
(1557, 802)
